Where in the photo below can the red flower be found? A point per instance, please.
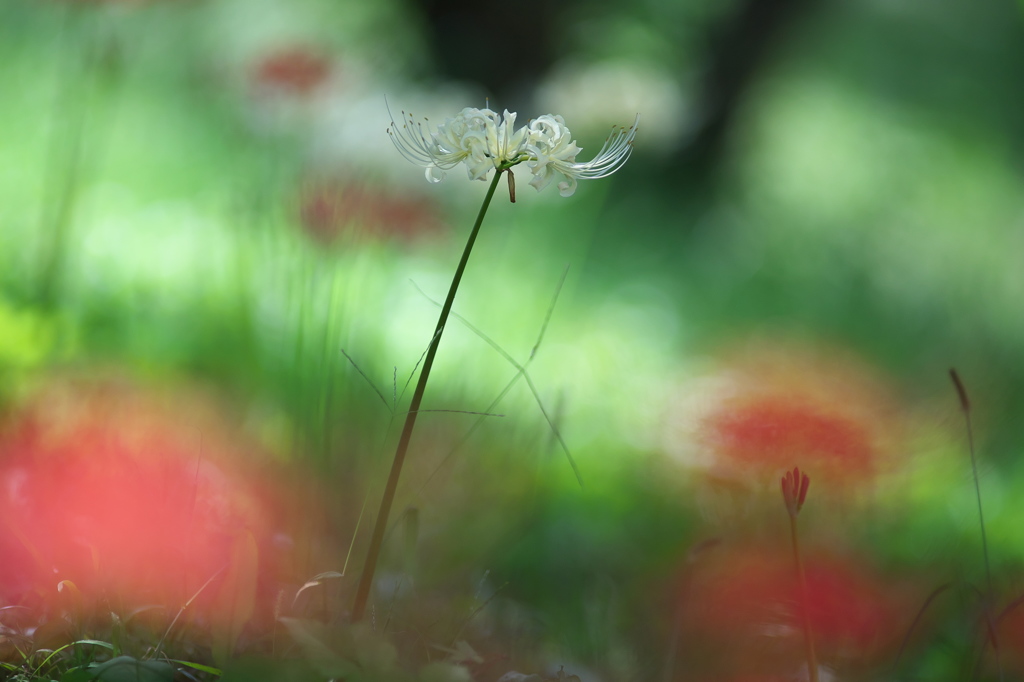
(772, 430)
(131, 501)
(329, 210)
(794, 490)
(295, 71)
(750, 601)
(775, 409)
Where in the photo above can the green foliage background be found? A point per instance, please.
(867, 196)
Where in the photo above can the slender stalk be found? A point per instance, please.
(965, 405)
(812, 659)
(380, 525)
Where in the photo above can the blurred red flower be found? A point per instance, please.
(772, 430)
(775, 409)
(296, 71)
(329, 210)
(134, 499)
(748, 602)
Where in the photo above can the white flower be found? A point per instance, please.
(552, 150)
(480, 138)
(484, 140)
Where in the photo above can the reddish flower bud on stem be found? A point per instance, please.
(794, 492)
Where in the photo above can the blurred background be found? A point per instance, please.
(823, 214)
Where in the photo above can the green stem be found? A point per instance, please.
(965, 405)
(981, 514)
(812, 659)
(380, 525)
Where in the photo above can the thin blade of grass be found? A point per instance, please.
(554, 429)
(472, 429)
(521, 372)
(355, 534)
(965, 406)
(551, 310)
(160, 644)
(475, 611)
(197, 666)
(55, 652)
(426, 350)
(315, 581)
(920, 614)
(368, 380)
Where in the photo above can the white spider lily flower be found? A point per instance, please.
(480, 138)
(552, 151)
(485, 140)
(506, 146)
(437, 152)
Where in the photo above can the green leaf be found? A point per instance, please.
(54, 653)
(117, 632)
(94, 642)
(197, 666)
(77, 675)
(129, 669)
(315, 581)
(69, 588)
